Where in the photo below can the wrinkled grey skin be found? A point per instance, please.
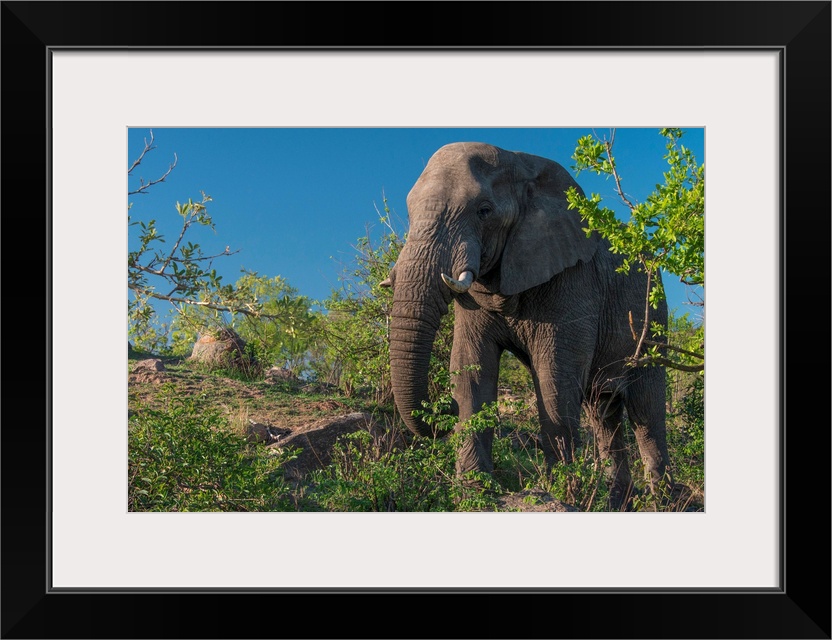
(541, 290)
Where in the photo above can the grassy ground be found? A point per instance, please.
(188, 451)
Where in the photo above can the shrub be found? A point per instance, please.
(186, 458)
(353, 352)
(366, 476)
(687, 438)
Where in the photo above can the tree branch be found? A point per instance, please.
(692, 354)
(643, 340)
(199, 303)
(185, 226)
(148, 146)
(227, 252)
(646, 324)
(144, 186)
(670, 364)
(624, 199)
(171, 258)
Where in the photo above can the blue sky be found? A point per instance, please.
(293, 201)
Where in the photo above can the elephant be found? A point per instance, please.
(490, 231)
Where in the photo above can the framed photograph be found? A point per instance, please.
(754, 77)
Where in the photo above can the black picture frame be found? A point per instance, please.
(799, 31)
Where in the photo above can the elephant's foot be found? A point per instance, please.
(475, 469)
(659, 493)
(474, 456)
(621, 496)
(476, 491)
(659, 483)
(475, 477)
(621, 488)
(479, 482)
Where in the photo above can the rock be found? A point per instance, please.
(319, 388)
(149, 364)
(534, 500)
(148, 370)
(268, 434)
(279, 374)
(317, 439)
(221, 348)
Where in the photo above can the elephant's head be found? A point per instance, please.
(477, 214)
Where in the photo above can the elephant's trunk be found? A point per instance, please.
(409, 368)
(419, 301)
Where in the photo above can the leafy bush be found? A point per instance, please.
(353, 350)
(687, 437)
(664, 232)
(366, 476)
(280, 334)
(514, 376)
(186, 458)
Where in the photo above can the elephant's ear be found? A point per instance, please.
(548, 237)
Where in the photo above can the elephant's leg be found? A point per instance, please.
(474, 387)
(645, 401)
(605, 417)
(559, 412)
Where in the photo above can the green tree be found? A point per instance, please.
(287, 328)
(282, 334)
(355, 333)
(682, 330)
(355, 351)
(665, 232)
(179, 273)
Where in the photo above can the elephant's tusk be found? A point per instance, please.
(388, 282)
(466, 278)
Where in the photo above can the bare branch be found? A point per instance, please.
(385, 219)
(148, 146)
(144, 186)
(646, 324)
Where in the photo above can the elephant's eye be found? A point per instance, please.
(484, 211)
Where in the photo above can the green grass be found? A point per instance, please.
(190, 453)
(186, 458)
